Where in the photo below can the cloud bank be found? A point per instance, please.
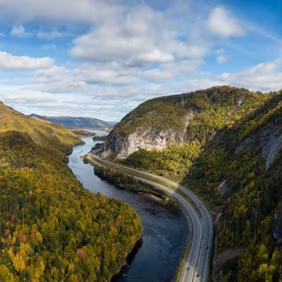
(111, 55)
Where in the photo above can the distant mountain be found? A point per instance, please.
(77, 122)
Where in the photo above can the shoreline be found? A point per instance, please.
(130, 257)
(145, 189)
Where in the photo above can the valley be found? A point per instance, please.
(165, 230)
(216, 151)
(140, 141)
(196, 266)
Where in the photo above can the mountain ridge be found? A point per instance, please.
(76, 122)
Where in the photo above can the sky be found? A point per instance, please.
(101, 58)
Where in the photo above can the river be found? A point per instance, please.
(165, 231)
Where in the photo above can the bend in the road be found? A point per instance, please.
(197, 265)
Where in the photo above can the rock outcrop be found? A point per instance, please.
(147, 138)
(268, 141)
(160, 122)
(122, 147)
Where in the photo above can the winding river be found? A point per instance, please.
(165, 231)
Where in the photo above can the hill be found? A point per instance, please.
(225, 144)
(51, 228)
(77, 122)
(160, 122)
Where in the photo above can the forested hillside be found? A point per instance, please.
(161, 122)
(230, 154)
(51, 228)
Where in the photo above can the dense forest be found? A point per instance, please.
(51, 228)
(232, 158)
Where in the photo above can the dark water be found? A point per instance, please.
(165, 232)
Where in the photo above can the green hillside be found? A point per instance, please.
(51, 228)
(220, 103)
(232, 158)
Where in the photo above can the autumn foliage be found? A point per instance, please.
(51, 228)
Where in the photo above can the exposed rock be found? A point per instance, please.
(122, 147)
(146, 138)
(243, 146)
(223, 188)
(271, 143)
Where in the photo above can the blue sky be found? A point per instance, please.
(101, 58)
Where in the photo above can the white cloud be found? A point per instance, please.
(134, 37)
(78, 98)
(263, 77)
(11, 62)
(54, 34)
(49, 47)
(128, 53)
(58, 79)
(173, 71)
(221, 57)
(58, 11)
(222, 24)
(19, 31)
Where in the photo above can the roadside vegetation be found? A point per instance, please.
(124, 181)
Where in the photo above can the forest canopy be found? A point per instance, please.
(51, 228)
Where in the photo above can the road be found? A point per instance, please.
(197, 264)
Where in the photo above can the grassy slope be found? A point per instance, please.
(51, 227)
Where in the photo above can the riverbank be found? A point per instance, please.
(165, 231)
(127, 182)
(197, 263)
(129, 259)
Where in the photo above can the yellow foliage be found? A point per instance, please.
(5, 275)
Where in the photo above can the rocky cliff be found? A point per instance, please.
(161, 122)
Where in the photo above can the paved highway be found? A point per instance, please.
(197, 264)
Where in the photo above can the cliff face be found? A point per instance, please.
(160, 122)
(122, 147)
(143, 138)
